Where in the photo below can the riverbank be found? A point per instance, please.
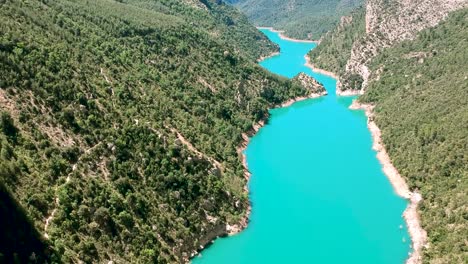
(262, 58)
(236, 228)
(339, 92)
(302, 98)
(272, 177)
(411, 215)
(282, 36)
(318, 70)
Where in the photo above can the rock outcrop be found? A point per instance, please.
(316, 89)
(388, 23)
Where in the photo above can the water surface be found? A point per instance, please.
(317, 190)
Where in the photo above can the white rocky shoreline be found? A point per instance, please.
(411, 215)
(282, 36)
(417, 233)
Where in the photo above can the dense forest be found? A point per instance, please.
(120, 123)
(420, 89)
(303, 19)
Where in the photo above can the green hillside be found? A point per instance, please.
(421, 107)
(420, 88)
(303, 19)
(334, 50)
(120, 123)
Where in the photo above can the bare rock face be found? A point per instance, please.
(310, 84)
(388, 23)
(196, 4)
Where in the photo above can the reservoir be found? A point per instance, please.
(317, 190)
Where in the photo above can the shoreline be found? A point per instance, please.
(282, 36)
(411, 216)
(311, 66)
(338, 91)
(273, 54)
(239, 227)
(417, 233)
(246, 136)
(301, 98)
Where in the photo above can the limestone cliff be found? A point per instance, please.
(388, 23)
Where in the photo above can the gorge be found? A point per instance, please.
(316, 194)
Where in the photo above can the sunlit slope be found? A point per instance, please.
(120, 123)
(304, 19)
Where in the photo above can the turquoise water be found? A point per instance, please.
(317, 189)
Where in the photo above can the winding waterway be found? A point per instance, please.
(317, 190)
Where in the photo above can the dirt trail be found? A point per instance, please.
(189, 145)
(50, 218)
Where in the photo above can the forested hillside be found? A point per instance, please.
(383, 25)
(334, 50)
(420, 90)
(120, 123)
(303, 19)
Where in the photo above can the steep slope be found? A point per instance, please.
(317, 89)
(418, 83)
(334, 50)
(120, 123)
(222, 22)
(388, 23)
(303, 19)
(422, 109)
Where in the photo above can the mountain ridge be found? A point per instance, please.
(298, 18)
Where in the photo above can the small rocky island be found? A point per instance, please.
(316, 89)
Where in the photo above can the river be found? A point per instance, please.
(317, 190)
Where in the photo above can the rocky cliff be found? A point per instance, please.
(388, 23)
(310, 84)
